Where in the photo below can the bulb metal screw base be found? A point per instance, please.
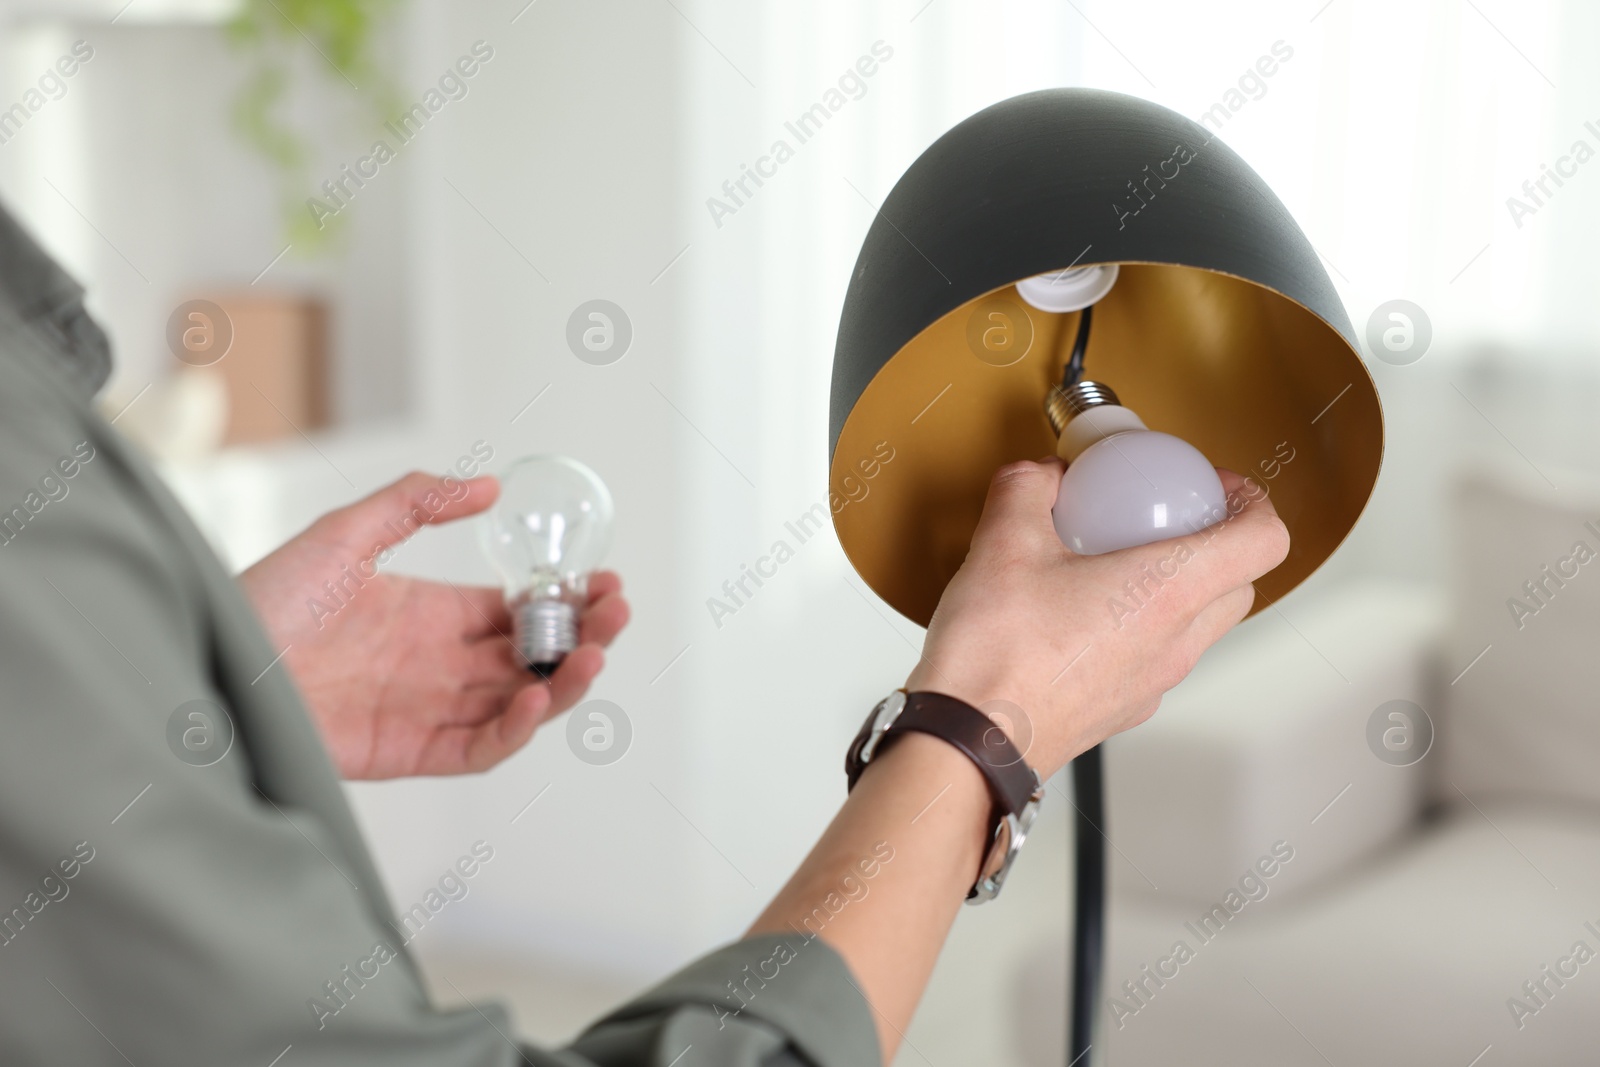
(546, 630)
(1064, 403)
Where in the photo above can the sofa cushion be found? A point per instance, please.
(1414, 959)
(1522, 677)
(1269, 732)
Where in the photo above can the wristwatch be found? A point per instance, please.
(1015, 787)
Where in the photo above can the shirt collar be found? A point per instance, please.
(35, 290)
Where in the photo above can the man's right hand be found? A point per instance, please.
(1065, 637)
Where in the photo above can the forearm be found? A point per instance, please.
(928, 803)
(883, 885)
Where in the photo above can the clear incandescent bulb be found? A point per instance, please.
(548, 530)
(1125, 484)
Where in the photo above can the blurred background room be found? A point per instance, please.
(1422, 748)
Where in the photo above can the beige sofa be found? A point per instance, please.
(1442, 913)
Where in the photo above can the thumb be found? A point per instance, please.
(392, 514)
(1018, 507)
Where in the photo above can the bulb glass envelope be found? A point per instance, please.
(551, 523)
(1222, 328)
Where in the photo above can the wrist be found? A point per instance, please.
(1014, 788)
(993, 698)
(920, 782)
(926, 803)
(928, 678)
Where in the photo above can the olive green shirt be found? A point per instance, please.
(169, 896)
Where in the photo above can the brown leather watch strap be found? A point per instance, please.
(1012, 782)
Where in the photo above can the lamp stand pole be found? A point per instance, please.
(1088, 901)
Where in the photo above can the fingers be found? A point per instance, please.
(1017, 510)
(603, 619)
(605, 612)
(392, 514)
(603, 584)
(497, 672)
(494, 660)
(487, 625)
(1222, 615)
(487, 744)
(1251, 541)
(1234, 484)
(572, 679)
(512, 723)
(492, 656)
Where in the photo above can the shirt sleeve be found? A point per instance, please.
(164, 898)
(770, 1000)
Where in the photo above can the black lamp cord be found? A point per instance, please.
(1074, 369)
(1088, 797)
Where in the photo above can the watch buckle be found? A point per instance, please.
(1009, 836)
(883, 717)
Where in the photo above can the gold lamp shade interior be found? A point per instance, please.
(1258, 383)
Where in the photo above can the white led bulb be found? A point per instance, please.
(1125, 484)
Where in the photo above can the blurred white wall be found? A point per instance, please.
(579, 166)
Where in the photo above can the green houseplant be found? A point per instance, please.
(280, 37)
